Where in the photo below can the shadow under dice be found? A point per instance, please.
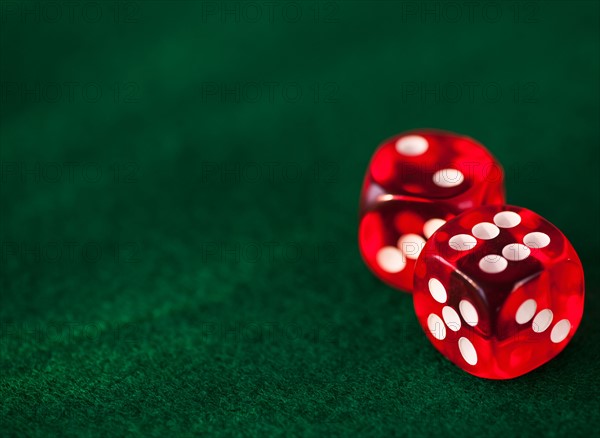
(416, 182)
(499, 291)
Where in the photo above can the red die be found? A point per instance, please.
(499, 291)
(415, 182)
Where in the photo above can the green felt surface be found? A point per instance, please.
(179, 212)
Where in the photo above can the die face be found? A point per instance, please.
(540, 317)
(514, 282)
(392, 236)
(415, 182)
(432, 164)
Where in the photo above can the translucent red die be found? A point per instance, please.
(499, 291)
(416, 181)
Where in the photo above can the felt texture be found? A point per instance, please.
(198, 273)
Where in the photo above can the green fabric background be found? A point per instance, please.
(208, 280)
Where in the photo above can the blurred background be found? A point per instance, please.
(179, 188)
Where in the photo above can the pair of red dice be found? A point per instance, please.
(497, 289)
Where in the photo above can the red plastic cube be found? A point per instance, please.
(417, 181)
(499, 291)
